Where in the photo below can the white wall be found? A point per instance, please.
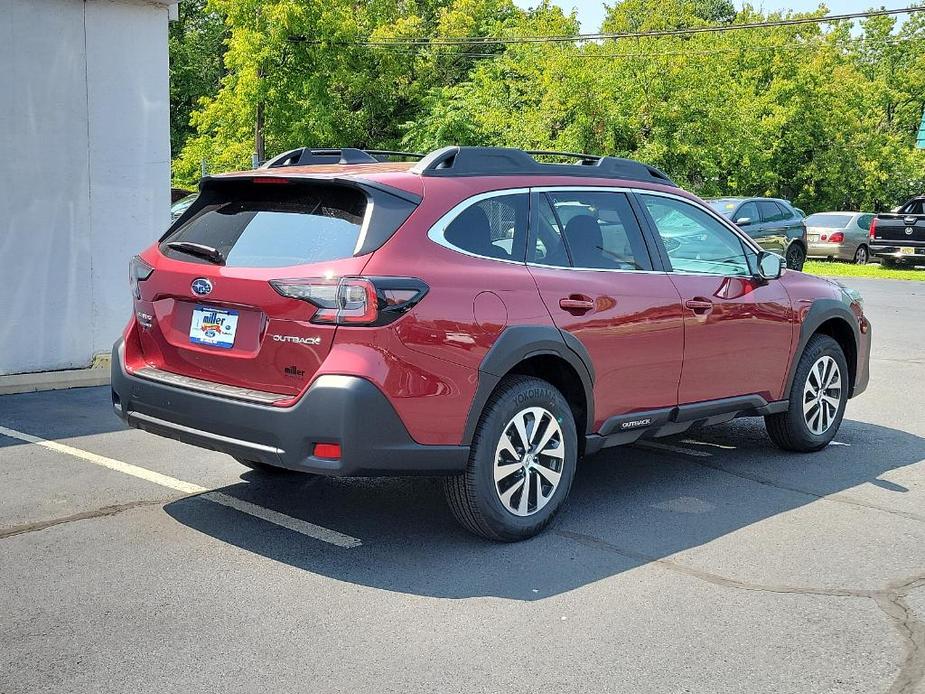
(84, 171)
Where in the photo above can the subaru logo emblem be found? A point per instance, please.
(201, 286)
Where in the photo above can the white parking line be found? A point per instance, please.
(300, 526)
(305, 528)
(673, 449)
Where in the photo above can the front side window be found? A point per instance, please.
(494, 228)
(587, 229)
(696, 241)
(748, 211)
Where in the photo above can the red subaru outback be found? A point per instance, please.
(477, 314)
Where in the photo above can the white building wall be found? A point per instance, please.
(84, 171)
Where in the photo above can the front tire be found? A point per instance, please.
(817, 399)
(521, 463)
(795, 256)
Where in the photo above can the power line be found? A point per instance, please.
(655, 54)
(579, 38)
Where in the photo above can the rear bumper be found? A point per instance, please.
(895, 252)
(822, 249)
(347, 410)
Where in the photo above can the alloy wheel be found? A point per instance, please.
(528, 461)
(822, 395)
(860, 256)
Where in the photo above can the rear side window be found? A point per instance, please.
(493, 228)
(272, 225)
(587, 229)
(913, 207)
(864, 221)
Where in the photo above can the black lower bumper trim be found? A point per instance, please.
(347, 410)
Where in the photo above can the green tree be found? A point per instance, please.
(196, 42)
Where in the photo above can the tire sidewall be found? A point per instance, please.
(818, 347)
(530, 392)
(797, 253)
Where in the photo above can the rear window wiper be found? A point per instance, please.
(199, 250)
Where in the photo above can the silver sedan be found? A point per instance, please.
(839, 235)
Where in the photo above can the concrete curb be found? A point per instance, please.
(97, 375)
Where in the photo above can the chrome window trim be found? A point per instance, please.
(364, 227)
(437, 232)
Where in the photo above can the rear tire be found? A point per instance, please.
(488, 499)
(795, 256)
(890, 263)
(817, 399)
(861, 256)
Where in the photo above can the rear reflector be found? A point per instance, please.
(330, 451)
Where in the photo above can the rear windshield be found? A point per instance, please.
(273, 225)
(724, 206)
(828, 221)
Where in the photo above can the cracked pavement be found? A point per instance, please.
(741, 569)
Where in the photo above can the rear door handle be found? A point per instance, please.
(576, 303)
(699, 306)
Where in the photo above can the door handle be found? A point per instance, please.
(576, 303)
(699, 306)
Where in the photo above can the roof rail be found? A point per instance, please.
(306, 156)
(504, 161)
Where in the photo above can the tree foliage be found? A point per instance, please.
(820, 114)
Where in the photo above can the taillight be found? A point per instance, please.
(873, 228)
(138, 271)
(837, 237)
(355, 300)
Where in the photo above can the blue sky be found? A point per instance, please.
(591, 12)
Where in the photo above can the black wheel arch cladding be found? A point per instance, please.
(821, 312)
(519, 343)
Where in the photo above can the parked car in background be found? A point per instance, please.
(177, 194)
(898, 238)
(775, 224)
(477, 315)
(181, 206)
(839, 235)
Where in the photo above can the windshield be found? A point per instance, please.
(725, 206)
(828, 221)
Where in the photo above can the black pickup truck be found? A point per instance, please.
(898, 238)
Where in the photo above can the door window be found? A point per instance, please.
(587, 229)
(771, 211)
(864, 221)
(750, 211)
(696, 242)
(494, 228)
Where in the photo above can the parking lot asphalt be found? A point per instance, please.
(707, 562)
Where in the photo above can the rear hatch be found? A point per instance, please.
(209, 311)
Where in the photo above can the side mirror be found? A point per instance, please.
(770, 265)
(744, 221)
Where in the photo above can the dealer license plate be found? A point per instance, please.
(213, 326)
